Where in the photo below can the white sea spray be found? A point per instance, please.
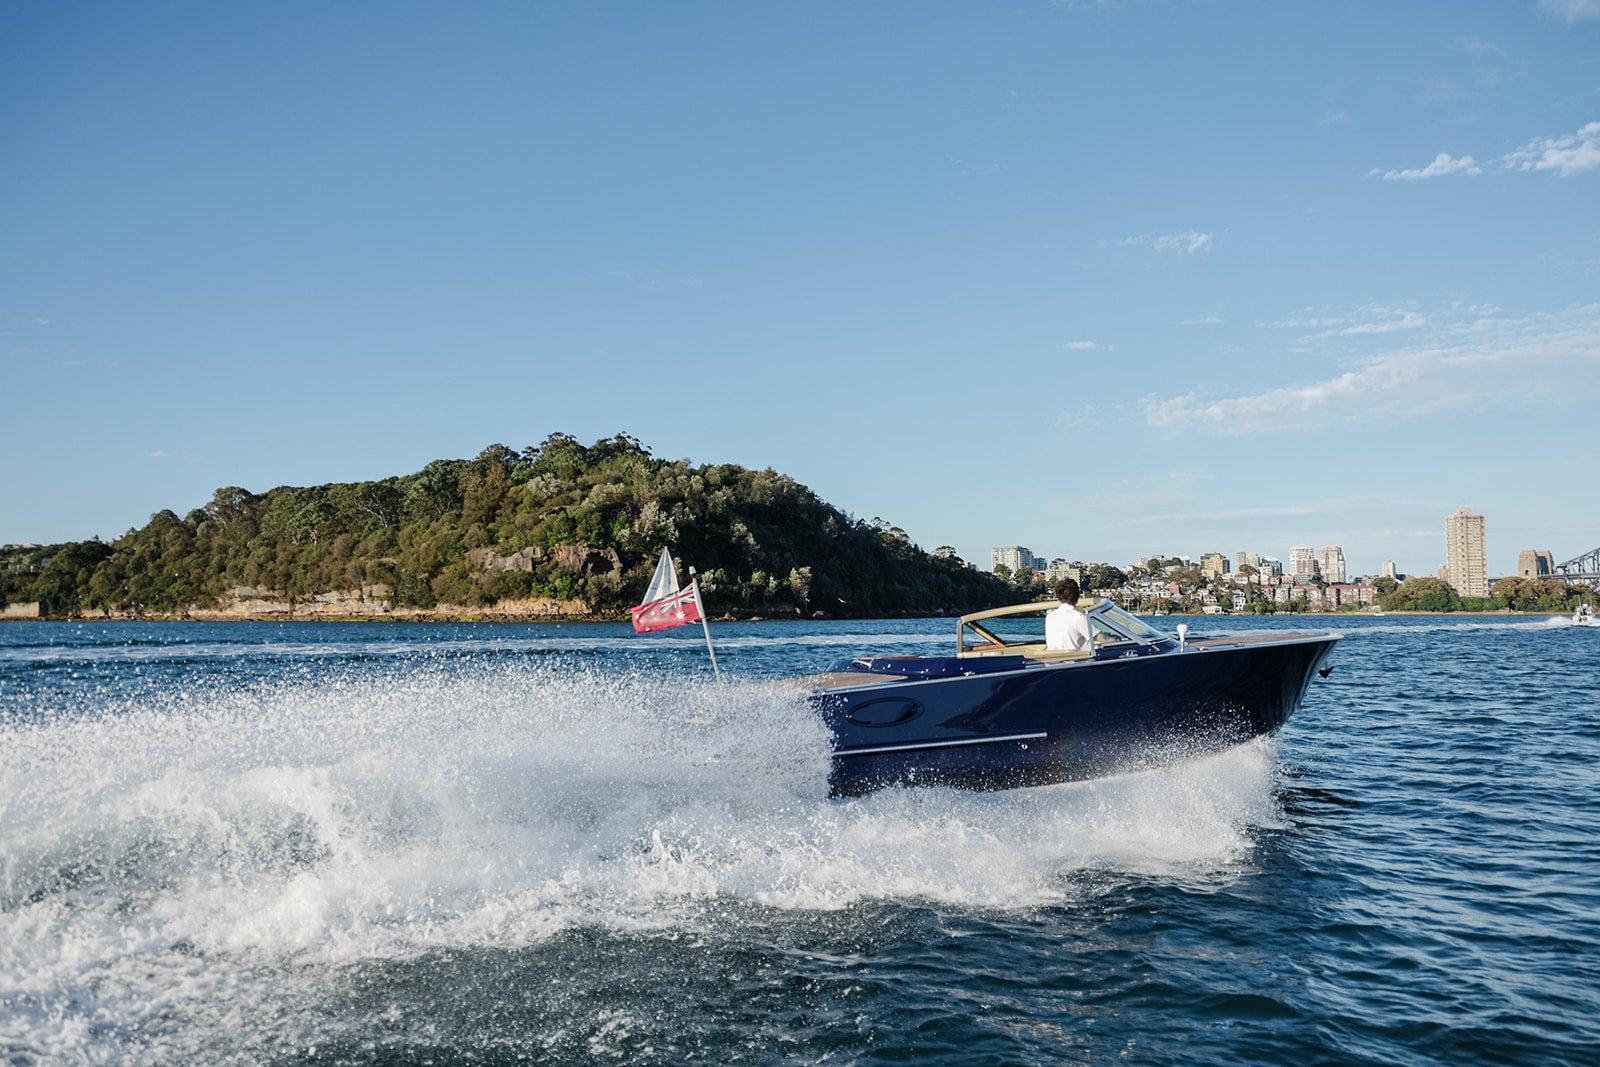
(171, 868)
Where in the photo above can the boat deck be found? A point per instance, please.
(1034, 654)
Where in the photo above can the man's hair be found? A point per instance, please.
(1067, 591)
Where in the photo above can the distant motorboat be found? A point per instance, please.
(1584, 616)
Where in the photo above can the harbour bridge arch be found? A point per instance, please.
(1584, 569)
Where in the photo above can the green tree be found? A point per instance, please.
(1104, 576)
(560, 520)
(1422, 594)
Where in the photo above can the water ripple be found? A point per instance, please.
(506, 842)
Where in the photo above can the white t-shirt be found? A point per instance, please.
(1067, 629)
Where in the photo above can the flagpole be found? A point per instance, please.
(694, 584)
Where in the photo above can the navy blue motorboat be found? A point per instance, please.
(1005, 711)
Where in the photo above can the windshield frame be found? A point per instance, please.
(1126, 625)
(1111, 625)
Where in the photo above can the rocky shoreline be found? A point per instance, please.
(369, 604)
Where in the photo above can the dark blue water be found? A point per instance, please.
(496, 843)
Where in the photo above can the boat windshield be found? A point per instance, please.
(1107, 618)
(1024, 626)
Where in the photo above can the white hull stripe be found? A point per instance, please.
(938, 744)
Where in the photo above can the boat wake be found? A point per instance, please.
(168, 867)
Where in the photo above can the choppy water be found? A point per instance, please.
(499, 843)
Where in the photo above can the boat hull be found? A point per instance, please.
(1044, 724)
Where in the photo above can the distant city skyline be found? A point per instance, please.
(1116, 277)
(1462, 551)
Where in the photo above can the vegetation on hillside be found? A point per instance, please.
(561, 520)
(1519, 594)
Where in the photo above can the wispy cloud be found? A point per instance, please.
(1086, 417)
(1547, 360)
(1209, 320)
(653, 279)
(1567, 155)
(1410, 320)
(1186, 243)
(162, 453)
(1477, 46)
(1442, 164)
(1372, 319)
(1572, 10)
(1081, 346)
(1435, 92)
(1286, 511)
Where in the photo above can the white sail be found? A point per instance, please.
(665, 581)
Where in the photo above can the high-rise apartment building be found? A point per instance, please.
(1062, 568)
(1465, 559)
(1331, 559)
(1303, 562)
(1213, 564)
(1389, 570)
(1015, 557)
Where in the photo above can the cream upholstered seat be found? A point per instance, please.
(1055, 655)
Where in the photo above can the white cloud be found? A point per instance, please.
(1545, 361)
(654, 279)
(1081, 346)
(1566, 155)
(1287, 511)
(1434, 92)
(1477, 46)
(1572, 10)
(1209, 320)
(1371, 319)
(1408, 321)
(1186, 243)
(1571, 154)
(1442, 164)
(1086, 417)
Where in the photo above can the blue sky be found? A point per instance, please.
(1099, 278)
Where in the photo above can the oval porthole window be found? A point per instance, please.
(889, 711)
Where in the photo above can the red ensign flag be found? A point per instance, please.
(665, 605)
(669, 611)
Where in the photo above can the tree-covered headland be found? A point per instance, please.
(573, 525)
(1507, 594)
